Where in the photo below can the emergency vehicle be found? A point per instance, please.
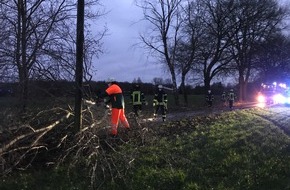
(273, 93)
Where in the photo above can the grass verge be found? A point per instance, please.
(238, 150)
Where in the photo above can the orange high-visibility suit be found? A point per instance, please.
(118, 108)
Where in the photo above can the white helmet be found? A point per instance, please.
(160, 86)
(110, 80)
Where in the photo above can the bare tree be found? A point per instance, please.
(162, 39)
(252, 22)
(187, 50)
(41, 41)
(137, 81)
(214, 39)
(273, 60)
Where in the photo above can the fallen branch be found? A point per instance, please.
(4, 148)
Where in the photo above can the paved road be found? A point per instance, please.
(203, 111)
(279, 115)
(206, 111)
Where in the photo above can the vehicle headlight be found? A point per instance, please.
(261, 98)
(278, 98)
(288, 100)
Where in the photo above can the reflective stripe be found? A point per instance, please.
(136, 98)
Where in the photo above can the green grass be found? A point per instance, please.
(46, 179)
(232, 151)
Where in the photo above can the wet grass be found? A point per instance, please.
(237, 150)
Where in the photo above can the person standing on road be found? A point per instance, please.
(224, 98)
(231, 98)
(138, 99)
(116, 99)
(160, 102)
(209, 98)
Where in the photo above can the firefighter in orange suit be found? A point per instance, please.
(116, 99)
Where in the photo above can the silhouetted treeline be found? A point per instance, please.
(64, 88)
(42, 88)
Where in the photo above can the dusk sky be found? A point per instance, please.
(122, 59)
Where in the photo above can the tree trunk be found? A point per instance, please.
(79, 65)
(241, 88)
(206, 83)
(245, 91)
(183, 89)
(175, 90)
(23, 88)
(21, 55)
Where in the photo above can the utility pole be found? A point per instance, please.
(79, 65)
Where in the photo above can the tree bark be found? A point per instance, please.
(79, 65)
